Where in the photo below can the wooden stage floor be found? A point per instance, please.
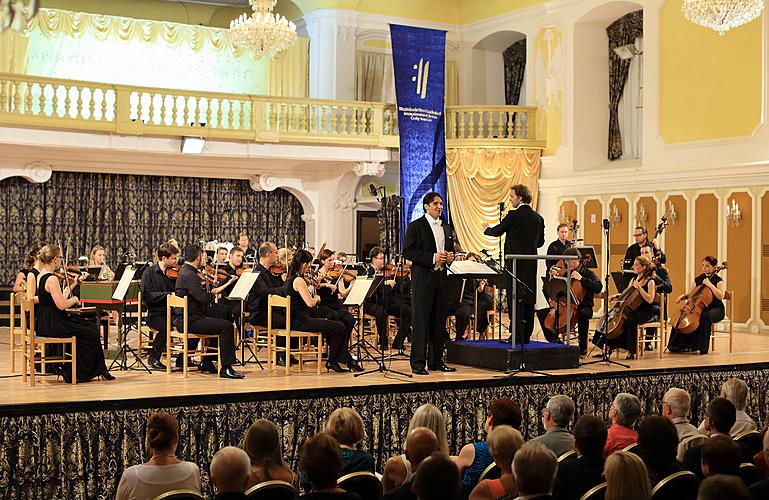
(139, 385)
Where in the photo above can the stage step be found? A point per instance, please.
(494, 355)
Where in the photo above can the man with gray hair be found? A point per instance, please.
(676, 404)
(736, 391)
(624, 412)
(534, 468)
(229, 473)
(556, 418)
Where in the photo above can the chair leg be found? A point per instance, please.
(74, 360)
(32, 364)
(320, 352)
(287, 356)
(186, 352)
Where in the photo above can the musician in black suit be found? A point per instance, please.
(429, 245)
(641, 236)
(525, 230)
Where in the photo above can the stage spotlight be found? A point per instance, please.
(193, 145)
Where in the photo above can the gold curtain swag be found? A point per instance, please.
(478, 179)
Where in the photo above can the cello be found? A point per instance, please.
(687, 319)
(612, 324)
(558, 307)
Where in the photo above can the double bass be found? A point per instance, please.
(687, 319)
(612, 324)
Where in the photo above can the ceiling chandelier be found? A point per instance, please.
(16, 14)
(722, 15)
(263, 32)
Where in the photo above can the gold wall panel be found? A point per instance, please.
(593, 235)
(765, 258)
(675, 250)
(739, 252)
(619, 232)
(569, 210)
(649, 205)
(705, 230)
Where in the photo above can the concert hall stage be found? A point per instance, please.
(64, 441)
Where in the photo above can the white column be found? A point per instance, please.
(332, 53)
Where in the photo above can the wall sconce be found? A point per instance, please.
(563, 218)
(733, 213)
(672, 213)
(616, 217)
(642, 216)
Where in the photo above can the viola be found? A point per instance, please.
(687, 319)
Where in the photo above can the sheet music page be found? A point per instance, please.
(469, 267)
(359, 291)
(243, 286)
(125, 281)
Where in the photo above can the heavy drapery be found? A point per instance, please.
(290, 72)
(136, 213)
(478, 179)
(621, 32)
(515, 68)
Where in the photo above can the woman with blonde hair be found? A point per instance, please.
(397, 470)
(626, 477)
(504, 442)
(262, 444)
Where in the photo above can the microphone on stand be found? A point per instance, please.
(374, 191)
(489, 259)
(501, 206)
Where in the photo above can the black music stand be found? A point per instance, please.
(588, 250)
(622, 279)
(121, 356)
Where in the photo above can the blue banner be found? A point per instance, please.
(419, 61)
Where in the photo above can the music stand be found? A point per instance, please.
(240, 292)
(121, 356)
(622, 279)
(589, 250)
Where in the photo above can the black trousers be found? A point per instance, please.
(429, 335)
(629, 338)
(403, 313)
(215, 326)
(161, 337)
(338, 312)
(584, 313)
(524, 320)
(700, 338)
(333, 332)
(379, 312)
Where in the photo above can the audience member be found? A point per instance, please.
(163, 472)
(657, 445)
(504, 442)
(626, 477)
(720, 455)
(720, 415)
(229, 473)
(624, 411)
(398, 470)
(761, 488)
(736, 391)
(436, 478)
(420, 444)
(262, 444)
(676, 404)
(719, 487)
(474, 458)
(534, 469)
(556, 418)
(583, 470)
(321, 460)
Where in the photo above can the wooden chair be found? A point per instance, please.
(180, 495)
(680, 485)
(728, 333)
(365, 484)
(566, 455)
(149, 335)
(392, 328)
(17, 334)
(272, 490)
(203, 349)
(489, 314)
(305, 347)
(660, 326)
(595, 493)
(490, 472)
(33, 344)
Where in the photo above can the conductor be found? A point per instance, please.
(429, 245)
(525, 232)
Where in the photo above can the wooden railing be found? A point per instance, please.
(86, 106)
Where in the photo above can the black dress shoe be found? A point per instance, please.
(155, 363)
(106, 375)
(443, 368)
(281, 361)
(354, 367)
(208, 367)
(335, 367)
(294, 361)
(420, 371)
(180, 362)
(65, 375)
(229, 372)
(508, 340)
(630, 356)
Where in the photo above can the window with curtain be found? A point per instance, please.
(630, 111)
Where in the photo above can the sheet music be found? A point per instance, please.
(469, 267)
(123, 284)
(357, 295)
(243, 286)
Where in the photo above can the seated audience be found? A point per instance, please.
(474, 458)
(626, 477)
(736, 391)
(676, 404)
(398, 470)
(504, 442)
(719, 487)
(556, 418)
(720, 455)
(583, 470)
(420, 444)
(163, 471)
(436, 478)
(761, 488)
(321, 459)
(229, 473)
(534, 468)
(720, 415)
(657, 445)
(262, 444)
(624, 412)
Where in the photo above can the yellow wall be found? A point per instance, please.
(710, 85)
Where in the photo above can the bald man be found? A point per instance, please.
(229, 473)
(420, 444)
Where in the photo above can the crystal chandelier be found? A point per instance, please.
(722, 15)
(16, 14)
(263, 32)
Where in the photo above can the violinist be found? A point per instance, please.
(52, 321)
(463, 309)
(304, 316)
(235, 264)
(331, 292)
(202, 316)
(243, 243)
(699, 340)
(384, 302)
(156, 285)
(20, 284)
(221, 256)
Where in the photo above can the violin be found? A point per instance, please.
(339, 271)
(173, 271)
(278, 269)
(392, 271)
(687, 319)
(612, 324)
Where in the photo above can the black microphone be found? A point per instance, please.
(489, 258)
(606, 224)
(501, 206)
(373, 190)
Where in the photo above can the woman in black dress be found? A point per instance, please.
(20, 284)
(304, 314)
(51, 320)
(699, 340)
(331, 292)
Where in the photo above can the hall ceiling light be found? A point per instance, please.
(722, 15)
(16, 14)
(263, 32)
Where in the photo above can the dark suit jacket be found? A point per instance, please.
(525, 230)
(576, 475)
(760, 490)
(402, 492)
(693, 458)
(419, 248)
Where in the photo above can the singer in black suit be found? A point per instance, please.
(525, 233)
(429, 245)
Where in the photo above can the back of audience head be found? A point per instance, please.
(262, 444)
(321, 460)
(721, 486)
(534, 468)
(720, 415)
(420, 444)
(721, 455)
(229, 470)
(627, 409)
(346, 426)
(590, 436)
(503, 411)
(430, 416)
(626, 477)
(504, 442)
(162, 433)
(657, 440)
(560, 408)
(736, 391)
(678, 402)
(436, 478)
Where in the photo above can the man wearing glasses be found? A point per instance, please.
(641, 240)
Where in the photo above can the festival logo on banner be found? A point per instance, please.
(419, 61)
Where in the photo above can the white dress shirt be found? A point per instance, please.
(440, 238)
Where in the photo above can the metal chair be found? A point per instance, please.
(365, 484)
(180, 495)
(490, 472)
(595, 493)
(748, 473)
(752, 439)
(566, 455)
(206, 351)
(272, 490)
